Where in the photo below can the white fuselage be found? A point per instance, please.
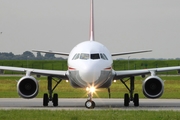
(90, 64)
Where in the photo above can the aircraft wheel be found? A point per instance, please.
(126, 99)
(55, 100)
(45, 99)
(136, 99)
(90, 104)
(93, 104)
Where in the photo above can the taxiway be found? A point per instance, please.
(78, 104)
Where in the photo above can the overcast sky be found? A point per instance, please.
(121, 25)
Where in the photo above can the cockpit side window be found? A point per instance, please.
(76, 56)
(103, 56)
(84, 56)
(95, 56)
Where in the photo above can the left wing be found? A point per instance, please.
(132, 52)
(54, 73)
(152, 71)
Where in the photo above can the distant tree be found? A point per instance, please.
(28, 55)
(39, 56)
(11, 54)
(17, 57)
(60, 58)
(49, 56)
(6, 56)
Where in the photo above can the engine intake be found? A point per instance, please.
(28, 87)
(153, 87)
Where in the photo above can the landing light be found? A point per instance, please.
(67, 81)
(91, 89)
(114, 80)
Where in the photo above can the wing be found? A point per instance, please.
(152, 71)
(54, 73)
(132, 52)
(52, 52)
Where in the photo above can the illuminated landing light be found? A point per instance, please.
(114, 81)
(91, 89)
(67, 81)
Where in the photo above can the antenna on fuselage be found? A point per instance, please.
(92, 22)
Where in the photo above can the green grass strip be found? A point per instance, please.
(88, 115)
(8, 88)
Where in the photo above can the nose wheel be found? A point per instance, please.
(90, 104)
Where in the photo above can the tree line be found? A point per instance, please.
(27, 55)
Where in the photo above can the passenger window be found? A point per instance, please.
(84, 56)
(95, 56)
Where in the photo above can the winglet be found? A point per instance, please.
(92, 22)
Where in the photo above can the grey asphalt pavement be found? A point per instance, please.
(78, 104)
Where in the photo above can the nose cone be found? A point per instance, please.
(90, 74)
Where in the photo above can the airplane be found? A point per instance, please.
(90, 67)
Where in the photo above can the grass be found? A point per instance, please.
(8, 88)
(88, 115)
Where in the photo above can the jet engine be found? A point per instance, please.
(153, 87)
(28, 87)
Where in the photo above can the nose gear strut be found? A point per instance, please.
(90, 104)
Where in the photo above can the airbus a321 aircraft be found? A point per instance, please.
(90, 67)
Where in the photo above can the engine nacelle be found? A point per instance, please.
(28, 87)
(153, 87)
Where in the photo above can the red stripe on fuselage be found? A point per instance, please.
(109, 68)
(70, 68)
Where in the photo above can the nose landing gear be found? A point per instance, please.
(90, 104)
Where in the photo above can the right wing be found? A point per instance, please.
(52, 52)
(29, 71)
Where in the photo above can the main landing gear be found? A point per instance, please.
(90, 104)
(50, 96)
(131, 96)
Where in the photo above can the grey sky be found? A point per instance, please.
(121, 25)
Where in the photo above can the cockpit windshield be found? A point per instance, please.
(95, 56)
(86, 56)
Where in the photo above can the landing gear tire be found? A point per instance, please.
(126, 100)
(90, 104)
(45, 99)
(55, 100)
(136, 100)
